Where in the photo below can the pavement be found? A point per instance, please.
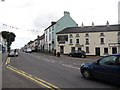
(89, 58)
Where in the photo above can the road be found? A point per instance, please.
(35, 70)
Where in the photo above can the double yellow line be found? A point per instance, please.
(38, 80)
(7, 61)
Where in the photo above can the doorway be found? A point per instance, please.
(97, 51)
(114, 50)
(62, 49)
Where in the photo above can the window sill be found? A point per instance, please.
(70, 44)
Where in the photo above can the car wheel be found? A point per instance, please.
(87, 74)
(70, 55)
(82, 56)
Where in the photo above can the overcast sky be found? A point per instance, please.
(33, 16)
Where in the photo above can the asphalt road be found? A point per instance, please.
(35, 70)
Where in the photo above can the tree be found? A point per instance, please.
(10, 37)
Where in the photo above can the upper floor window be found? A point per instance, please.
(49, 29)
(52, 28)
(77, 41)
(86, 35)
(71, 41)
(118, 33)
(102, 34)
(49, 37)
(71, 35)
(102, 40)
(46, 31)
(118, 39)
(87, 41)
(46, 38)
(77, 35)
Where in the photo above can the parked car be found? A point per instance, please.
(106, 68)
(12, 53)
(77, 54)
(28, 50)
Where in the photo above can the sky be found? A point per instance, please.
(31, 17)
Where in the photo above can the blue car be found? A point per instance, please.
(106, 68)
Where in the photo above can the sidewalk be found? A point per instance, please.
(4, 56)
(66, 56)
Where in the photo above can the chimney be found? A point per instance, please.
(92, 24)
(107, 24)
(53, 22)
(82, 25)
(66, 13)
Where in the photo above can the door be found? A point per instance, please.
(62, 49)
(107, 69)
(114, 50)
(97, 50)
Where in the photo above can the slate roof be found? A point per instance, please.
(90, 29)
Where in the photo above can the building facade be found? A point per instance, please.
(95, 40)
(50, 32)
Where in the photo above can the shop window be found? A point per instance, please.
(105, 50)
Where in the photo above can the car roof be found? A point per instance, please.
(115, 55)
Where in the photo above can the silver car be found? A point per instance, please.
(12, 53)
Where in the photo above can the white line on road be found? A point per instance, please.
(49, 60)
(70, 66)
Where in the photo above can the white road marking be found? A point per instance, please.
(49, 60)
(70, 66)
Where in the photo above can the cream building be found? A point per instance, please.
(95, 40)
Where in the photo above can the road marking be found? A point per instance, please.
(49, 60)
(7, 61)
(70, 66)
(38, 80)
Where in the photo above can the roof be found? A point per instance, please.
(41, 37)
(52, 23)
(85, 29)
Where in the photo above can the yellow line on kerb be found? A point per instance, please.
(38, 80)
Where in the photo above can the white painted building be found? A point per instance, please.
(50, 32)
(95, 40)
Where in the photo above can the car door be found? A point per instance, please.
(107, 69)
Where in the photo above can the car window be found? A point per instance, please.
(118, 61)
(109, 60)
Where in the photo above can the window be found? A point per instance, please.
(86, 35)
(49, 37)
(77, 35)
(71, 35)
(101, 34)
(72, 49)
(52, 28)
(87, 41)
(79, 49)
(49, 29)
(118, 39)
(118, 33)
(71, 41)
(46, 38)
(77, 41)
(87, 49)
(102, 40)
(105, 50)
(109, 60)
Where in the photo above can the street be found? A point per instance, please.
(36, 70)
